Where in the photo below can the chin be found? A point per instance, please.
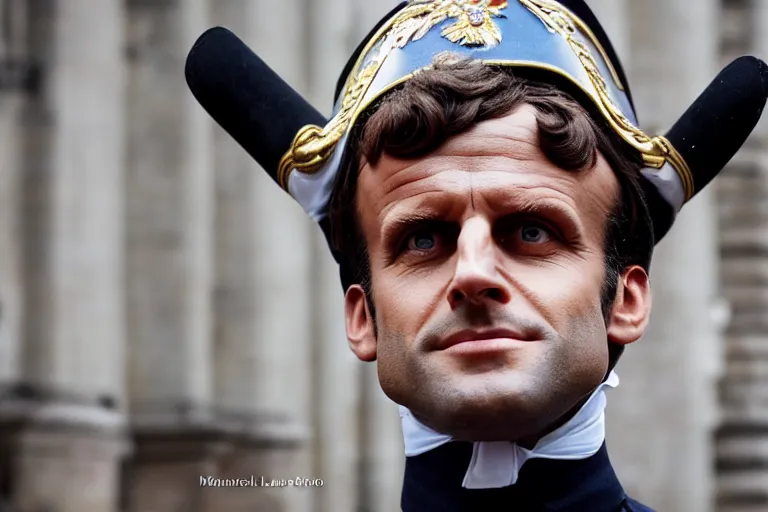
(484, 407)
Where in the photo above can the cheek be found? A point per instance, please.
(562, 294)
(577, 317)
(403, 303)
(400, 315)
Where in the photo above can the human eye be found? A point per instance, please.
(421, 241)
(426, 240)
(534, 234)
(418, 238)
(530, 236)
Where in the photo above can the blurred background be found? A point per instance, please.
(167, 313)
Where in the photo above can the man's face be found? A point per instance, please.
(487, 265)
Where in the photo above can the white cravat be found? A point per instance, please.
(497, 463)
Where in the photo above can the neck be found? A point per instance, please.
(529, 442)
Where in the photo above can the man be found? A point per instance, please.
(493, 208)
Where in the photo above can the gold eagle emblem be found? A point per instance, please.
(473, 25)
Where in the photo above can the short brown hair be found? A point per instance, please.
(452, 96)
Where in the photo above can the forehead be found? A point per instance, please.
(497, 160)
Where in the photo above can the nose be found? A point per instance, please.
(477, 279)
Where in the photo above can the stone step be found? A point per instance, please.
(731, 484)
(748, 346)
(744, 507)
(748, 323)
(749, 163)
(748, 414)
(744, 241)
(746, 297)
(751, 154)
(732, 189)
(748, 175)
(747, 171)
(742, 449)
(737, 393)
(739, 305)
(740, 270)
(733, 18)
(751, 369)
(742, 213)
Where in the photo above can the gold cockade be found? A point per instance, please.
(473, 26)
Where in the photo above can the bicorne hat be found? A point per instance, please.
(560, 42)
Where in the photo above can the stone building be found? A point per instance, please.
(166, 315)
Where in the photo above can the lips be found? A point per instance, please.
(468, 336)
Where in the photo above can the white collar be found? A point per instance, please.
(497, 464)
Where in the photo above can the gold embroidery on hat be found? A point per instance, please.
(473, 26)
(655, 151)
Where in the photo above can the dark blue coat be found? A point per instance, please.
(433, 484)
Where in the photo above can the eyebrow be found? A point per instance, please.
(538, 205)
(551, 209)
(406, 221)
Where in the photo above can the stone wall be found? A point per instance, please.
(742, 440)
(167, 313)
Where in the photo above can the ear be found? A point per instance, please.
(632, 307)
(359, 324)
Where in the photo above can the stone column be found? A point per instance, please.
(381, 448)
(336, 389)
(12, 48)
(660, 419)
(169, 219)
(262, 345)
(10, 240)
(61, 426)
(12, 89)
(756, 12)
(742, 441)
